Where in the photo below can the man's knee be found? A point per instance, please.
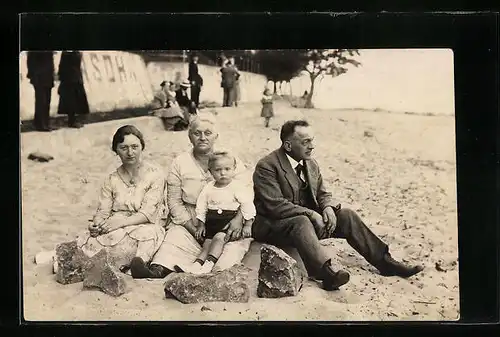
(300, 224)
(346, 214)
(347, 220)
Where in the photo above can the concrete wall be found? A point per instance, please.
(405, 80)
(112, 80)
(117, 80)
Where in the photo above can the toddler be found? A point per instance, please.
(217, 204)
(267, 106)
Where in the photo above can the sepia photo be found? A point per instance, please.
(238, 185)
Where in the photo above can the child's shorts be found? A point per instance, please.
(216, 220)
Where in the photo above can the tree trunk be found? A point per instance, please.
(309, 104)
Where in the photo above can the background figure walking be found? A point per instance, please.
(41, 75)
(73, 99)
(267, 106)
(196, 80)
(229, 76)
(237, 92)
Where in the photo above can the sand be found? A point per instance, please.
(399, 175)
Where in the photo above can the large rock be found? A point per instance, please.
(279, 274)
(229, 285)
(103, 274)
(70, 263)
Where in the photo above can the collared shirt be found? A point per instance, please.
(294, 164)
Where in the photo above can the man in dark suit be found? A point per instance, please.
(229, 77)
(195, 79)
(295, 209)
(41, 75)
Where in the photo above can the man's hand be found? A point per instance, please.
(330, 220)
(319, 225)
(233, 230)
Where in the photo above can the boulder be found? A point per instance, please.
(70, 263)
(229, 285)
(103, 274)
(279, 274)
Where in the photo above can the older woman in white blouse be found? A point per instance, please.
(187, 177)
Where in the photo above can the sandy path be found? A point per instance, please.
(401, 180)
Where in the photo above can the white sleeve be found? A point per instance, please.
(201, 204)
(244, 196)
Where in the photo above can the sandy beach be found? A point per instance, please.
(397, 170)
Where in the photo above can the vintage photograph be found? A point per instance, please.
(238, 185)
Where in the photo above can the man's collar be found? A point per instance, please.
(293, 162)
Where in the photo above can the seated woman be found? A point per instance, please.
(128, 222)
(188, 176)
(166, 107)
(184, 100)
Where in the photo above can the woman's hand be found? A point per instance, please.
(233, 229)
(111, 224)
(247, 231)
(94, 229)
(200, 233)
(190, 227)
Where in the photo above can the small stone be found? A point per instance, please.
(102, 274)
(229, 285)
(279, 274)
(40, 157)
(368, 134)
(70, 263)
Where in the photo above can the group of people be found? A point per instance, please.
(202, 216)
(73, 99)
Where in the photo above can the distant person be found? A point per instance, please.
(229, 76)
(72, 97)
(218, 204)
(267, 106)
(237, 90)
(195, 79)
(41, 75)
(184, 100)
(165, 107)
(295, 209)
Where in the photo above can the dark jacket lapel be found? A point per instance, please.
(312, 178)
(289, 172)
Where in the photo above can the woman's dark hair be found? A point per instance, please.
(289, 128)
(125, 130)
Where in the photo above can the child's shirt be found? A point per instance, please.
(232, 197)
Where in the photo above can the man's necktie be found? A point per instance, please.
(300, 169)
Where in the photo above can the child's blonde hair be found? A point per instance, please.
(219, 155)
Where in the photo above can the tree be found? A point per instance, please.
(329, 62)
(283, 65)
